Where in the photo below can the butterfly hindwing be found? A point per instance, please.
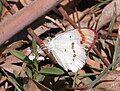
(90, 38)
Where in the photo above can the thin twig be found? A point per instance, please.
(15, 23)
(55, 22)
(100, 56)
(65, 15)
(11, 10)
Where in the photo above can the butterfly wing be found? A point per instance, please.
(90, 37)
(68, 51)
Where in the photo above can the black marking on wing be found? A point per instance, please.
(73, 48)
(65, 50)
(72, 45)
(73, 51)
(70, 36)
(73, 59)
(74, 55)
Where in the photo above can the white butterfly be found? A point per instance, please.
(68, 50)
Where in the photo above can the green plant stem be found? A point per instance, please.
(74, 81)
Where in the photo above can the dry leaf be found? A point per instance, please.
(109, 82)
(107, 13)
(31, 85)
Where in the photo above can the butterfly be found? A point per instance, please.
(68, 50)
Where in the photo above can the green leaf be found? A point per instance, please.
(96, 59)
(34, 48)
(86, 81)
(15, 73)
(102, 41)
(113, 19)
(52, 70)
(39, 77)
(21, 56)
(116, 55)
(0, 7)
(98, 5)
(95, 68)
(88, 74)
(15, 83)
(34, 51)
(29, 72)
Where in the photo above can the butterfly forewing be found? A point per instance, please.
(68, 50)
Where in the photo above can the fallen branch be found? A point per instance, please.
(24, 17)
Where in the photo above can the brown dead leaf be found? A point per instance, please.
(10, 67)
(13, 46)
(84, 22)
(109, 82)
(5, 13)
(93, 63)
(1, 89)
(107, 13)
(25, 2)
(3, 79)
(30, 85)
(9, 63)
